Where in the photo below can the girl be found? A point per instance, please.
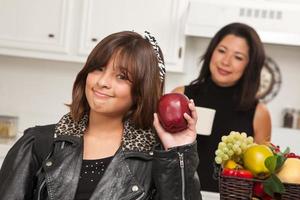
(106, 147)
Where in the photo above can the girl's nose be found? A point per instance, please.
(104, 81)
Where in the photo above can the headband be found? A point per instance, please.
(151, 39)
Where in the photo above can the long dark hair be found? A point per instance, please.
(249, 83)
(137, 56)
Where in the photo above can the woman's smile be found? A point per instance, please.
(223, 71)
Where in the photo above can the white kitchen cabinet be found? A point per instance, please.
(273, 20)
(67, 30)
(163, 19)
(34, 25)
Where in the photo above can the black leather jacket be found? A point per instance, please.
(132, 174)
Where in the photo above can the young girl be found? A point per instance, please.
(106, 147)
(228, 82)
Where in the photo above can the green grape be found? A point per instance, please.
(224, 139)
(232, 146)
(229, 139)
(250, 140)
(225, 157)
(239, 151)
(218, 160)
(230, 153)
(243, 146)
(221, 145)
(244, 135)
(225, 149)
(229, 145)
(218, 152)
(235, 147)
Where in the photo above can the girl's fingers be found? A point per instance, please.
(157, 124)
(189, 119)
(192, 107)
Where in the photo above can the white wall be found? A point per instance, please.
(36, 90)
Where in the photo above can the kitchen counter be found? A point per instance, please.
(210, 195)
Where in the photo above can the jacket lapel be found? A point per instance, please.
(116, 176)
(62, 171)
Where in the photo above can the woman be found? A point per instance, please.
(106, 147)
(228, 82)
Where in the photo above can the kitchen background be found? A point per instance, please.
(43, 45)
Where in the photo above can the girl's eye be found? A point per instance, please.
(100, 69)
(122, 76)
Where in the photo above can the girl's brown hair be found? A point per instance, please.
(134, 53)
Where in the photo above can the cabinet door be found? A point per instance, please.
(163, 19)
(34, 24)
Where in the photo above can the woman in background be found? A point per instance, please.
(228, 82)
(106, 147)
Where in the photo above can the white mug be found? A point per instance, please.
(205, 120)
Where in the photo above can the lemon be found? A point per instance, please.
(231, 164)
(254, 160)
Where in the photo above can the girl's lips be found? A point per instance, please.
(101, 94)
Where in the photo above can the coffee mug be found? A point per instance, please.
(205, 120)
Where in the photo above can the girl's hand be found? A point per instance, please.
(184, 137)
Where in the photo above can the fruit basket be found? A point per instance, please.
(292, 192)
(235, 188)
(256, 171)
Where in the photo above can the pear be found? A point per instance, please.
(290, 171)
(254, 160)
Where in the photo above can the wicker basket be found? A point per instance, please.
(234, 188)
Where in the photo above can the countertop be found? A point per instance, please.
(210, 195)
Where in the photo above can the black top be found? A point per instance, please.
(227, 119)
(90, 175)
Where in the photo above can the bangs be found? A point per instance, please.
(124, 61)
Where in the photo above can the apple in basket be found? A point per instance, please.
(171, 108)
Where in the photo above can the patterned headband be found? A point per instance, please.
(161, 65)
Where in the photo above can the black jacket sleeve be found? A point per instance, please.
(18, 169)
(175, 173)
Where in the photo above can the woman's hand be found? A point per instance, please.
(184, 137)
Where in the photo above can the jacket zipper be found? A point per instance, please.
(40, 189)
(181, 163)
(140, 197)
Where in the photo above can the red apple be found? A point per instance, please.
(171, 108)
(258, 189)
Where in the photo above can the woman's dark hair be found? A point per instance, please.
(249, 83)
(136, 55)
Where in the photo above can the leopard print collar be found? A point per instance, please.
(133, 139)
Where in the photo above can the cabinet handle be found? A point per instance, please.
(50, 35)
(94, 39)
(180, 52)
